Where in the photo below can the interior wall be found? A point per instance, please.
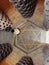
(4, 4)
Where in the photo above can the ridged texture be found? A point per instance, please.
(25, 7)
(4, 21)
(26, 60)
(5, 50)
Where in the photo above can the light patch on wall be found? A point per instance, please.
(47, 37)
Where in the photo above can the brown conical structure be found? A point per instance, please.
(26, 60)
(25, 7)
(5, 50)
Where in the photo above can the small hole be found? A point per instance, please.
(9, 25)
(3, 23)
(0, 25)
(4, 26)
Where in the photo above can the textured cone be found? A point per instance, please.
(25, 7)
(5, 50)
(4, 21)
(25, 61)
(46, 14)
(46, 54)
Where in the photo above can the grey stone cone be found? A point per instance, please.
(46, 54)
(46, 14)
(46, 23)
(46, 51)
(25, 7)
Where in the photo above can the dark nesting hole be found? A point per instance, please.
(0, 25)
(9, 25)
(4, 26)
(3, 23)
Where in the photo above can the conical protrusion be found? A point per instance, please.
(5, 22)
(5, 50)
(26, 60)
(25, 7)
